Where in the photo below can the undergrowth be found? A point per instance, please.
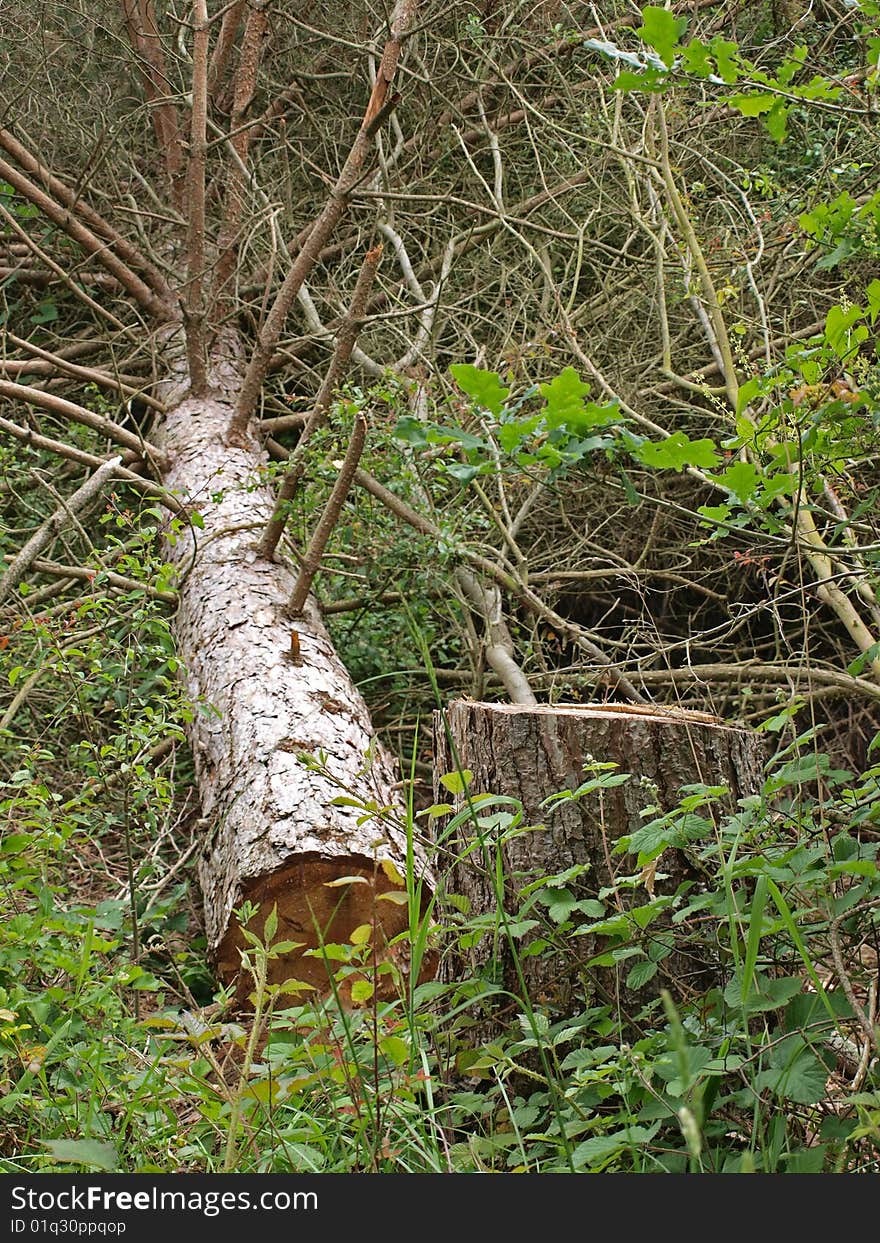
(113, 1064)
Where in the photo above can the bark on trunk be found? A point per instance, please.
(531, 753)
(263, 701)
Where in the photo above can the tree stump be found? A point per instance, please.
(530, 753)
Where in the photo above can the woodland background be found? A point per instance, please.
(616, 373)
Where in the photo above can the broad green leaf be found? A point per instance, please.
(841, 332)
(271, 925)
(806, 1160)
(92, 1153)
(484, 387)
(511, 435)
(724, 53)
(661, 30)
(361, 934)
(601, 1148)
(395, 1049)
(696, 59)
(676, 452)
(640, 974)
(764, 994)
(795, 1073)
(456, 783)
(777, 121)
(741, 479)
(391, 872)
(873, 297)
(565, 396)
(653, 80)
(361, 990)
(411, 431)
(715, 513)
(752, 105)
(461, 471)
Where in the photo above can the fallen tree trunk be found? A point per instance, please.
(531, 753)
(298, 791)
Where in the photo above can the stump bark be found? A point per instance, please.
(531, 753)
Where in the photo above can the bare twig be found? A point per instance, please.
(312, 559)
(344, 345)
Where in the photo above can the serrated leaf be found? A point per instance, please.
(795, 1073)
(92, 1153)
(484, 387)
(640, 974)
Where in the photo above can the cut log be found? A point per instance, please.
(531, 753)
(269, 693)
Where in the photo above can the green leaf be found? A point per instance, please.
(652, 80)
(462, 472)
(456, 783)
(714, 513)
(411, 431)
(565, 399)
(752, 105)
(873, 296)
(724, 52)
(841, 332)
(777, 121)
(764, 994)
(795, 1073)
(271, 926)
(676, 452)
(361, 990)
(484, 387)
(806, 1160)
(661, 30)
(601, 1148)
(741, 479)
(695, 58)
(640, 974)
(511, 435)
(395, 1049)
(89, 1152)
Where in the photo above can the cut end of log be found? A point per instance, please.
(321, 901)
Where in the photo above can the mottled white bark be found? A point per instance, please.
(278, 836)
